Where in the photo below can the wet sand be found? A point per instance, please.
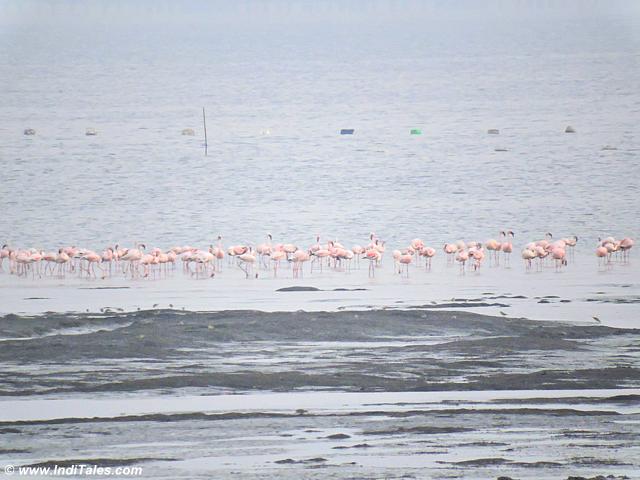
(341, 394)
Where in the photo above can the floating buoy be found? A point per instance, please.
(609, 147)
(569, 129)
(265, 132)
(29, 131)
(500, 149)
(416, 131)
(91, 132)
(493, 131)
(347, 131)
(188, 131)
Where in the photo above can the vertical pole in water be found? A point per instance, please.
(204, 120)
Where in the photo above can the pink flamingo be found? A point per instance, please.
(417, 245)
(357, 251)
(246, 261)
(61, 259)
(559, 255)
(507, 249)
(318, 256)
(404, 262)
(289, 249)
(478, 257)
(5, 252)
(626, 244)
(571, 243)
(93, 260)
(299, 257)
(264, 250)
(204, 260)
(396, 254)
(528, 254)
(493, 246)
(428, 253)
(50, 258)
(601, 252)
(461, 257)
(541, 254)
(450, 249)
(171, 258)
(133, 256)
(276, 257)
(373, 256)
(108, 256)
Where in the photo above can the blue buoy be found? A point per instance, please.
(347, 131)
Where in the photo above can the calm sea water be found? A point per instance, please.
(139, 75)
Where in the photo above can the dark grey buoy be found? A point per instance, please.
(493, 131)
(91, 132)
(347, 131)
(29, 131)
(569, 129)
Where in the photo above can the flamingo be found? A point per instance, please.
(559, 255)
(133, 256)
(50, 258)
(5, 251)
(264, 249)
(203, 261)
(396, 254)
(601, 252)
(626, 244)
(493, 246)
(428, 253)
(528, 254)
(478, 257)
(417, 245)
(404, 262)
(450, 249)
(299, 257)
(107, 257)
(373, 255)
(541, 254)
(276, 257)
(357, 251)
(289, 249)
(571, 243)
(507, 249)
(61, 259)
(461, 257)
(318, 256)
(246, 261)
(93, 260)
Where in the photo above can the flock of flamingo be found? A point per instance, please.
(137, 262)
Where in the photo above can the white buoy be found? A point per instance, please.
(189, 131)
(91, 132)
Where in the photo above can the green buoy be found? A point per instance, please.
(416, 131)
